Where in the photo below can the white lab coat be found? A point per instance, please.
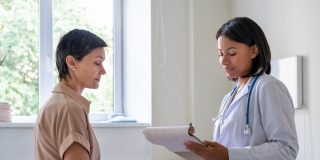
(271, 119)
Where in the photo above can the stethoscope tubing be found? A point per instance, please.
(248, 100)
(247, 130)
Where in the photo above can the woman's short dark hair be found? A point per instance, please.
(77, 43)
(246, 31)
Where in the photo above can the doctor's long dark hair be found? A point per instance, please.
(246, 31)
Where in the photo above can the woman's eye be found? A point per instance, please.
(97, 63)
(232, 53)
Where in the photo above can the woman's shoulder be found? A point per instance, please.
(60, 102)
(58, 106)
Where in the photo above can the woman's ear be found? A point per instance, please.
(255, 51)
(71, 62)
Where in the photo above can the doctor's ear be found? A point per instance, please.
(71, 62)
(255, 51)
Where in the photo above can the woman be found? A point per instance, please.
(256, 119)
(62, 130)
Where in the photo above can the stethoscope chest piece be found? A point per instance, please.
(247, 130)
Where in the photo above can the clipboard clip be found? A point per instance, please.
(191, 131)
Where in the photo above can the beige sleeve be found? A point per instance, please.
(74, 137)
(72, 127)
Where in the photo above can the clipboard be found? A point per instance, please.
(173, 138)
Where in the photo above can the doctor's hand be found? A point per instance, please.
(208, 150)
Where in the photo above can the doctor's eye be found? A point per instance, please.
(232, 52)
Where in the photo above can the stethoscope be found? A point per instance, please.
(247, 129)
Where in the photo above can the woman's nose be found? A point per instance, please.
(103, 71)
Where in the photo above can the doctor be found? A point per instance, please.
(256, 119)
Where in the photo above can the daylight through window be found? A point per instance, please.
(27, 48)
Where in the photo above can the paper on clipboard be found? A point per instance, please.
(173, 138)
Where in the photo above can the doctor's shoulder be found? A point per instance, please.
(271, 83)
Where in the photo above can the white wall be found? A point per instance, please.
(209, 83)
(176, 49)
(16, 143)
(292, 28)
(170, 67)
(187, 82)
(115, 140)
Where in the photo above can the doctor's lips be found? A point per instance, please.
(228, 70)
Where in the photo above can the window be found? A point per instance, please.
(19, 55)
(29, 36)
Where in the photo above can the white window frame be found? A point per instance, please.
(46, 79)
(118, 57)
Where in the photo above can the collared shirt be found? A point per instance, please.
(271, 118)
(62, 121)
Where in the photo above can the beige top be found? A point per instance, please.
(62, 121)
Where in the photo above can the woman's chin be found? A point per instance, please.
(93, 86)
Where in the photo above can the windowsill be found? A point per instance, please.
(97, 122)
(93, 124)
(29, 121)
(16, 125)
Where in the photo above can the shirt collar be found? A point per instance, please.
(64, 89)
(244, 90)
(247, 87)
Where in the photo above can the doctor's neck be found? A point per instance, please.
(243, 80)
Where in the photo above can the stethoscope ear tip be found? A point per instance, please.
(247, 130)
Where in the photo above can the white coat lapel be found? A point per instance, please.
(242, 93)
